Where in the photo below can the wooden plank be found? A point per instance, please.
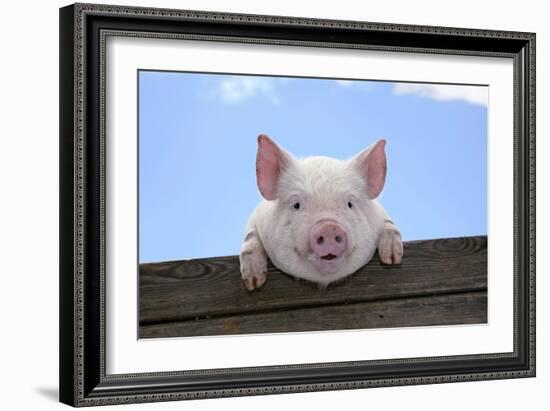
(180, 290)
(464, 308)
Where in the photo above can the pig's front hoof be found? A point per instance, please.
(253, 260)
(253, 281)
(390, 249)
(253, 270)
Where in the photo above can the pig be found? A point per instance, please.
(319, 219)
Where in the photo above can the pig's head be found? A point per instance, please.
(324, 222)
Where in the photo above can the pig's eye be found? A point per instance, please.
(349, 204)
(296, 206)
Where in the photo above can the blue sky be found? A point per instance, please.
(197, 149)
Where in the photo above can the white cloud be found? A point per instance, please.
(344, 83)
(238, 89)
(360, 85)
(443, 92)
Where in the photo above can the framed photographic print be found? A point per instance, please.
(262, 204)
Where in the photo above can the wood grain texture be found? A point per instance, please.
(179, 291)
(451, 309)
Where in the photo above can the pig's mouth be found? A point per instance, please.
(327, 264)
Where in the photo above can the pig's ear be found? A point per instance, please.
(371, 163)
(271, 161)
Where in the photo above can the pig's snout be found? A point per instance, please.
(328, 240)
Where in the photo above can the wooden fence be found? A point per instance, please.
(441, 282)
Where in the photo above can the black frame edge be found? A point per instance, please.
(66, 202)
(529, 185)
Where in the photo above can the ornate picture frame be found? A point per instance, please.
(84, 376)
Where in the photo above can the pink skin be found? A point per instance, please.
(328, 241)
(269, 162)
